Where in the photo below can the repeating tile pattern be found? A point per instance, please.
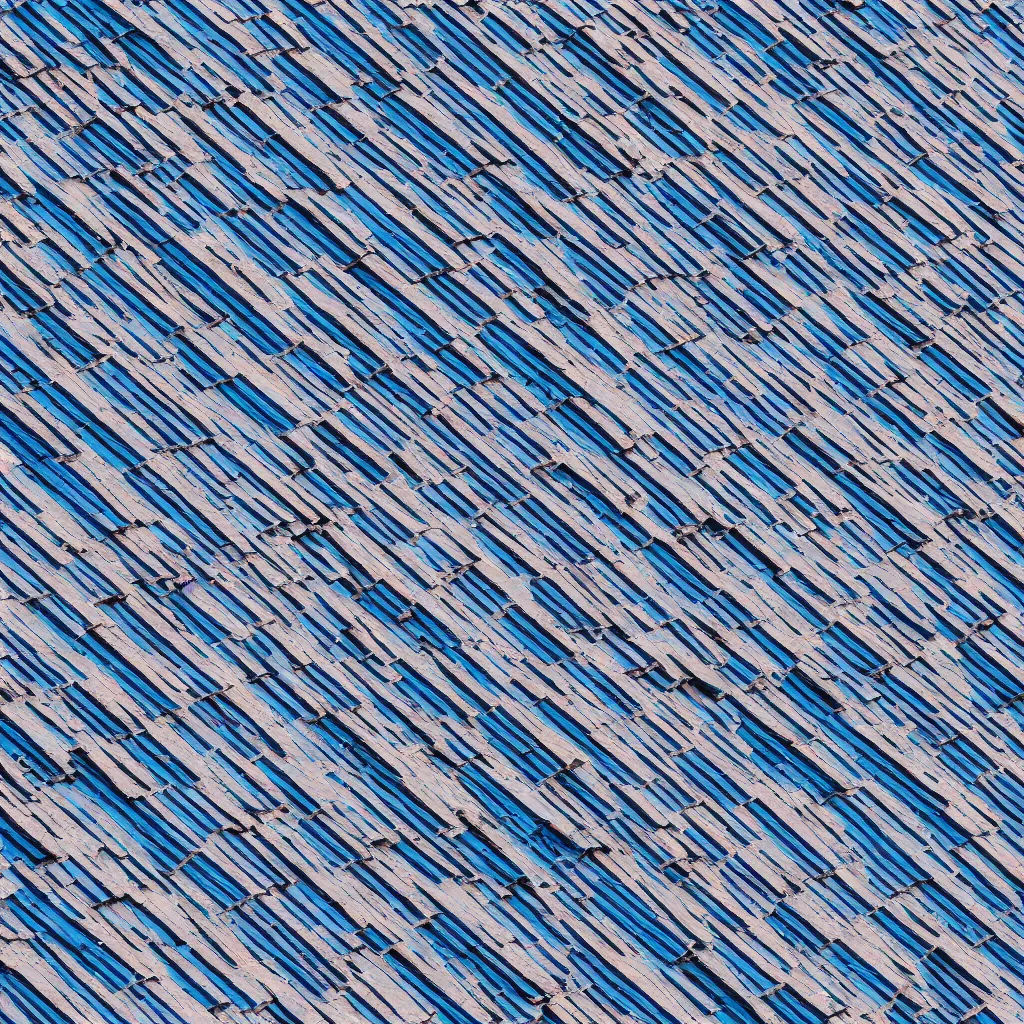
(511, 511)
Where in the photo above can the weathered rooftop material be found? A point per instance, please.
(511, 512)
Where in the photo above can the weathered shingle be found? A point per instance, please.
(511, 512)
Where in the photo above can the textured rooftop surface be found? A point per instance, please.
(511, 512)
